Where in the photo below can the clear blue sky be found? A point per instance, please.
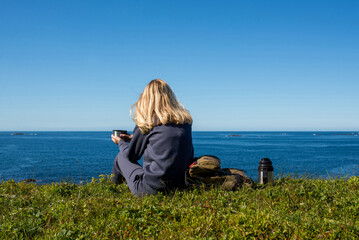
(236, 65)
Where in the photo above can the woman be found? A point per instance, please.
(162, 136)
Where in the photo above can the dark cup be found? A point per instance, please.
(117, 133)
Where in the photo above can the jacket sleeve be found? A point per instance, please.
(136, 148)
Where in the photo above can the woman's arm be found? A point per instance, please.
(137, 146)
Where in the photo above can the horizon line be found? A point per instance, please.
(15, 131)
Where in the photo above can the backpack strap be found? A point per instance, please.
(235, 171)
(227, 178)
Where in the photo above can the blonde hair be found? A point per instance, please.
(158, 105)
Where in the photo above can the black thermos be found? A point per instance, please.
(265, 171)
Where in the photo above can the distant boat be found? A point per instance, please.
(17, 133)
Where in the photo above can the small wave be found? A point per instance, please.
(6, 148)
(349, 169)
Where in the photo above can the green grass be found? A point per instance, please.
(292, 209)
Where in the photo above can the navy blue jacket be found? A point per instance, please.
(167, 152)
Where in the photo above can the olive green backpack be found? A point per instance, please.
(207, 169)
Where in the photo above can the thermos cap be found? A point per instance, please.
(266, 163)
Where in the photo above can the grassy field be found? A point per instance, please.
(292, 209)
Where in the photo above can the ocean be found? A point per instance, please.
(78, 156)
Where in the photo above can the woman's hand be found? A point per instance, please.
(115, 139)
(124, 137)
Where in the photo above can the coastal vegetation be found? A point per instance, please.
(301, 208)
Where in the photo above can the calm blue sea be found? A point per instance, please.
(79, 156)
